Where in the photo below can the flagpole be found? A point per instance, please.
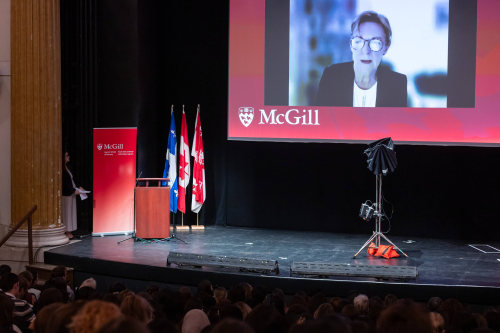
(198, 226)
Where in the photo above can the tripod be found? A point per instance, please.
(378, 220)
(174, 235)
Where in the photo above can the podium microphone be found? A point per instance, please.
(138, 179)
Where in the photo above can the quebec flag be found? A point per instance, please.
(170, 170)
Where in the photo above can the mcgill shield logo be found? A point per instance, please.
(246, 115)
(99, 146)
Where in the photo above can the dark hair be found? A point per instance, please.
(390, 299)
(404, 317)
(27, 275)
(315, 302)
(205, 287)
(350, 311)
(297, 300)
(35, 276)
(49, 296)
(259, 293)
(43, 322)
(236, 294)
(62, 316)
(84, 293)
(351, 295)
(117, 287)
(5, 269)
(265, 318)
(8, 281)
(59, 271)
(60, 284)
(112, 298)
(193, 303)
(6, 312)
(152, 288)
(231, 325)
(162, 325)
(124, 325)
(434, 304)
(230, 311)
(294, 313)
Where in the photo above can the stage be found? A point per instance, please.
(446, 268)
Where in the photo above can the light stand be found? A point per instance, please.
(378, 220)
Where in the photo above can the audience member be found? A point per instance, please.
(350, 311)
(124, 325)
(7, 314)
(186, 292)
(236, 294)
(294, 313)
(245, 308)
(162, 325)
(43, 321)
(232, 326)
(404, 317)
(84, 293)
(5, 269)
(89, 283)
(351, 295)
(154, 288)
(34, 283)
(335, 302)
(220, 294)
(49, 296)
(92, 316)
(259, 293)
(248, 290)
(231, 311)
(23, 311)
(63, 315)
(324, 310)
(266, 319)
(204, 288)
(390, 299)
(117, 288)
(297, 300)
(62, 272)
(315, 302)
(434, 304)
(361, 303)
(194, 321)
(136, 307)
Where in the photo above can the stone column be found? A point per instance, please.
(36, 148)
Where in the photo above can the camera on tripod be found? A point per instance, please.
(366, 212)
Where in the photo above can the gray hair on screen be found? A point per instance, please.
(370, 16)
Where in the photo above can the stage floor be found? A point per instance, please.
(447, 268)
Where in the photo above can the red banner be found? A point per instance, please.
(114, 180)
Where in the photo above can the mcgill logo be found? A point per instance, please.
(291, 117)
(110, 146)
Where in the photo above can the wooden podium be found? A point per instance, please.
(152, 208)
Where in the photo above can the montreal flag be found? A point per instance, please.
(199, 190)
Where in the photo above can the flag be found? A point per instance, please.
(170, 170)
(184, 167)
(199, 191)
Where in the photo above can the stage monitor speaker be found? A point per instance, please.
(373, 271)
(204, 260)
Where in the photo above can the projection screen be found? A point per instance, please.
(421, 72)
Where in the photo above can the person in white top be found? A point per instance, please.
(70, 191)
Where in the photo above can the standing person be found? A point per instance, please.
(70, 191)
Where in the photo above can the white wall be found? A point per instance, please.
(5, 90)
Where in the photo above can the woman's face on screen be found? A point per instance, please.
(364, 58)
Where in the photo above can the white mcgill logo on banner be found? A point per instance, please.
(99, 146)
(246, 115)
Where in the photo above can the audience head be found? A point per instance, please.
(27, 275)
(43, 321)
(351, 295)
(9, 283)
(248, 289)
(89, 283)
(186, 292)
(279, 304)
(335, 302)
(333, 323)
(50, 296)
(194, 321)
(162, 326)
(117, 288)
(323, 311)
(124, 325)
(60, 284)
(232, 325)
(193, 303)
(266, 319)
(83, 293)
(205, 287)
(315, 302)
(390, 299)
(434, 304)
(5, 269)
(63, 315)
(92, 316)
(136, 307)
(259, 293)
(294, 313)
(405, 317)
(59, 271)
(245, 308)
(297, 300)
(350, 311)
(230, 311)
(220, 294)
(236, 294)
(124, 294)
(24, 285)
(361, 303)
(6, 312)
(154, 288)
